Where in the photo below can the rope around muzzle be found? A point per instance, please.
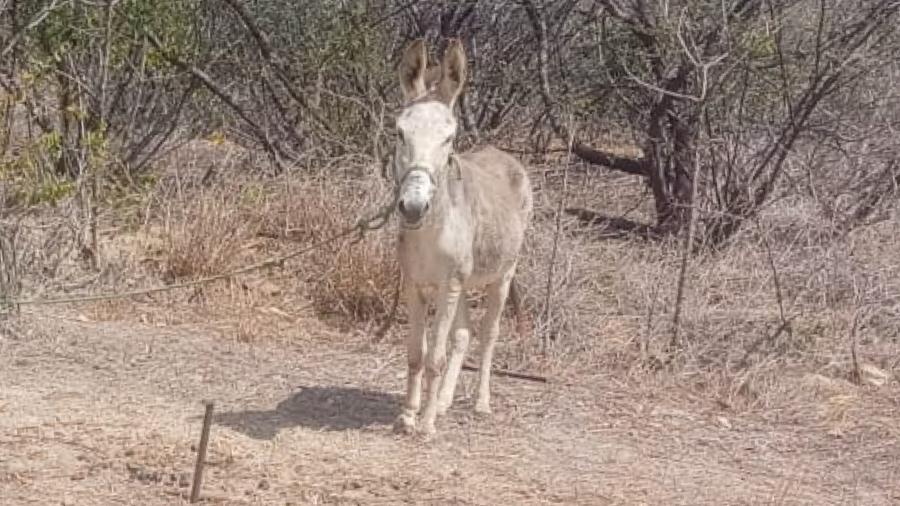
(363, 225)
(452, 165)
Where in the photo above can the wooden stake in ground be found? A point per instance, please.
(201, 452)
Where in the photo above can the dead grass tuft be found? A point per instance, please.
(219, 223)
(352, 278)
(206, 233)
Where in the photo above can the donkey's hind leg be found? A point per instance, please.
(458, 345)
(490, 329)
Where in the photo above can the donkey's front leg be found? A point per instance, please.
(436, 361)
(459, 343)
(415, 354)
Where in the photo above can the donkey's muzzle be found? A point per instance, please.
(413, 211)
(416, 190)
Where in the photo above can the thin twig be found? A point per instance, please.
(555, 252)
(695, 177)
(854, 355)
(392, 315)
(776, 279)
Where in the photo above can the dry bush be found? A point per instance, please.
(205, 234)
(219, 216)
(778, 301)
(781, 301)
(47, 254)
(352, 278)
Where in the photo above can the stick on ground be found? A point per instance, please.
(509, 374)
(201, 452)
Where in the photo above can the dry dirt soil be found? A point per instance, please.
(110, 413)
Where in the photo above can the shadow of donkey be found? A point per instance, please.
(320, 408)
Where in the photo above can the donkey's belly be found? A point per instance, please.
(488, 269)
(477, 280)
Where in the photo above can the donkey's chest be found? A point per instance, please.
(432, 254)
(430, 257)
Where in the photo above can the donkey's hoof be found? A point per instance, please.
(427, 430)
(442, 408)
(483, 411)
(405, 424)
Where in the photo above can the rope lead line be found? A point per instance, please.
(362, 226)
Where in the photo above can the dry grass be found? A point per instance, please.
(206, 233)
(351, 278)
(193, 228)
(607, 303)
(787, 298)
(764, 366)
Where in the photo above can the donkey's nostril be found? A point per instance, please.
(412, 211)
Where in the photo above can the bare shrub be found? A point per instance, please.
(353, 277)
(206, 233)
(216, 214)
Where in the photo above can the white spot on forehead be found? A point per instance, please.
(434, 116)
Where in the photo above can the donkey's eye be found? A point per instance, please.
(448, 140)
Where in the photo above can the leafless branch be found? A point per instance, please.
(274, 153)
(36, 20)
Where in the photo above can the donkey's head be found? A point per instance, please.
(426, 127)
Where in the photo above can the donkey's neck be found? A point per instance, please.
(442, 201)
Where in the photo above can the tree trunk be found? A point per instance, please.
(671, 150)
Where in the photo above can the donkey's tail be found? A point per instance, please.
(523, 320)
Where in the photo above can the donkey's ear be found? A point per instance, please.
(453, 70)
(412, 70)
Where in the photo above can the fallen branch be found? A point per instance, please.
(613, 226)
(508, 374)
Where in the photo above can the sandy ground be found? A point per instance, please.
(109, 413)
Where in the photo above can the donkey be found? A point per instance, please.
(462, 223)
